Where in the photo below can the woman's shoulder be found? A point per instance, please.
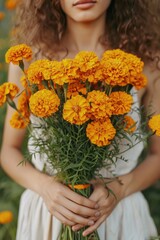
(152, 72)
(152, 90)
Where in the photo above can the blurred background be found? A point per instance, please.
(9, 191)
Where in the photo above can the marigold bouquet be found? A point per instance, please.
(83, 105)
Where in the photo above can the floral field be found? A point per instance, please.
(9, 191)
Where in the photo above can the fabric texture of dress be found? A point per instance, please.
(130, 220)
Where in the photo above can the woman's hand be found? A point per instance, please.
(67, 206)
(107, 198)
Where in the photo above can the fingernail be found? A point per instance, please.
(91, 222)
(85, 234)
(74, 228)
(97, 214)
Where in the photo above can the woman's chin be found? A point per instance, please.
(85, 18)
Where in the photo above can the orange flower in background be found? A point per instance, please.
(19, 121)
(130, 124)
(2, 15)
(100, 105)
(75, 110)
(11, 4)
(44, 103)
(139, 82)
(17, 53)
(6, 217)
(154, 124)
(121, 102)
(100, 133)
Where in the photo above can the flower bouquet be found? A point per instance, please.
(82, 106)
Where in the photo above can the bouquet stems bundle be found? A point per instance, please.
(66, 231)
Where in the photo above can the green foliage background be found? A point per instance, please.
(9, 191)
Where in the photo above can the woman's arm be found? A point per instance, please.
(62, 202)
(149, 170)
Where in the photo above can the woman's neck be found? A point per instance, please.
(84, 36)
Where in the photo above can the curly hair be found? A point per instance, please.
(131, 25)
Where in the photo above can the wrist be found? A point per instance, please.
(126, 181)
(119, 186)
(43, 181)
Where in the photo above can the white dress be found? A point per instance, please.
(130, 220)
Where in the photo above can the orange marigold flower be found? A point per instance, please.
(120, 67)
(139, 81)
(89, 66)
(100, 105)
(2, 15)
(35, 72)
(44, 103)
(19, 121)
(23, 81)
(130, 124)
(17, 53)
(11, 4)
(2, 95)
(75, 110)
(49, 70)
(121, 102)
(100, 133)
(70, 70)
(55, 73)
(6, 217)
(75, 88)
(11, 89)
(25, 84)
(135, 64)
(23, 104)
(61, 72)
(8, 89)
(154, 124)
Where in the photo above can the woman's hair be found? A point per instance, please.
(131, 25)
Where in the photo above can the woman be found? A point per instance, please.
(59, 29)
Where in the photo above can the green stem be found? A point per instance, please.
(21, 65)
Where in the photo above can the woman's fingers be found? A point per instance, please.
(92, 228)
(77, 227)
(69, 215)
(78, 209)
(79, 199)
(68, 206)
(106, 202)
(63, 219)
